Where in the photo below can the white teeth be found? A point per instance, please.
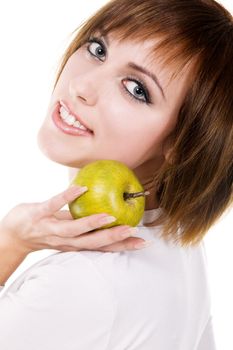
(64, 112)
(77, 124)
(82, 127)
(70, 119)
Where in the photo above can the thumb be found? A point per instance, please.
(57, 202)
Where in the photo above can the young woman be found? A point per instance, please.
(147, 83)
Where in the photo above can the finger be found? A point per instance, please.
(97, 239)
(75, 228)
(63, 215)
(126, 244)
(57, 202)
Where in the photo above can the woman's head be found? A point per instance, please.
(99, 87)
(188, 122)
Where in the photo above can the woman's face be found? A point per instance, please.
(129, 122)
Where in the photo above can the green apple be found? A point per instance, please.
(113, 189)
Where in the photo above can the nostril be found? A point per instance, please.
(82, 98)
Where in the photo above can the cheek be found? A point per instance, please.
(146, 139)
(73, 67)
(142, 129)
(129, 140)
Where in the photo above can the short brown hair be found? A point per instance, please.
(194, 187)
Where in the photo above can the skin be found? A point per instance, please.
(124, 129)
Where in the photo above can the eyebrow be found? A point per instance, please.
(141, 69)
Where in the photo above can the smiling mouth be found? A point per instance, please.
(70, 119)
(65, 124)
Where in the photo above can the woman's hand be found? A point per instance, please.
(36, 226)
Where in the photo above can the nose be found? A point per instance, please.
(82, 88)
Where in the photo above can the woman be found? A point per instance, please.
(150, 82)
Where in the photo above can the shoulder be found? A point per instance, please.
(62, 274)
(58, 302)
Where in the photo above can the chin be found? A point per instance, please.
(48, 146)
(56, 152)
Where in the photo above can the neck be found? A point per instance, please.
(151, 199)
(146, 174)
(72, 172)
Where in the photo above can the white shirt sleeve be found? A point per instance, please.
(207, 341)
(58, 307)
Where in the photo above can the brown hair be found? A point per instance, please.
(194, 186)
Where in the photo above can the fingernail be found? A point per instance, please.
(130, 232)
(107, 220)
(144, 244)
(79, 190)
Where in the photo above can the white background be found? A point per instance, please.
(33, 36)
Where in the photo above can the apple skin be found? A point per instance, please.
(107, 180)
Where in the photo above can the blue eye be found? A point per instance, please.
(139, 90)
(97, 49)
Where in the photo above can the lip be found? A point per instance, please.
(66, 105)
(67, 129)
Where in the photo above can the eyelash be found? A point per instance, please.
(130, 78)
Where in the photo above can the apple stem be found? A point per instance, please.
(135, 194)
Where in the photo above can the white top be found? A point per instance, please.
(154, 298)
